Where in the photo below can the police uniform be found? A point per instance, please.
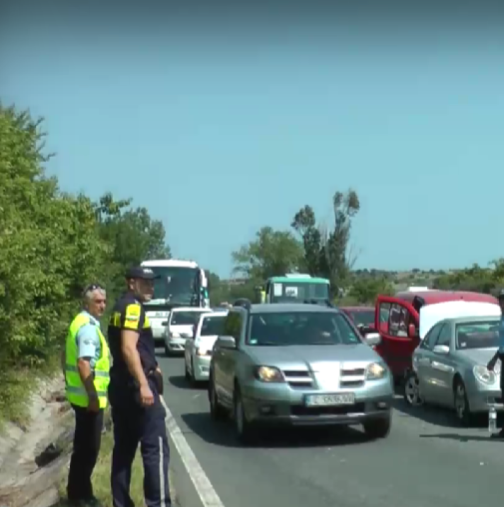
(133, 423)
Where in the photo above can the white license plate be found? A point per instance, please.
(327, 400)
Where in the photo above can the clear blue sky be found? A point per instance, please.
(220, 128)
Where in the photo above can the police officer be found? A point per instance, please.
(87, 365)
(499, 354)
(135, 388)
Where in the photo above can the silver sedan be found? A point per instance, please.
(450, 367)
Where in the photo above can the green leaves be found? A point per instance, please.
(52, 244)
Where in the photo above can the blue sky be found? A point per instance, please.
(219, 130)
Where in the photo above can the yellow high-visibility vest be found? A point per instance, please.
(75, 391)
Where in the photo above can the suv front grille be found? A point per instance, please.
(299, 379)
(352, 377)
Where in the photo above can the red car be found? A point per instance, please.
(362, 316)
(397, 322)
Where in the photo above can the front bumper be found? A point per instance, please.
(281, 405)
(201, 368)
(175, 345)
(479, 400)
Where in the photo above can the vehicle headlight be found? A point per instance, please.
(203, 352)
(484, 375)
(375, 371)
(269, 374)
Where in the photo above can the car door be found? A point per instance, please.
(224, 358)
(442, 369)
(396, 347)
(422, 360)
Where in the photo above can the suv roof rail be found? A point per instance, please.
(243, 302)
(326, 302)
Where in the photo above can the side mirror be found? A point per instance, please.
(411, 331)
(441, 349)
(226, 342)
(164, 323)
(373, 339)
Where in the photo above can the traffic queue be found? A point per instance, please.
(312, 364)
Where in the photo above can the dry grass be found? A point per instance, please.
(101, 476)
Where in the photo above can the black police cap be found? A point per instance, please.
(142, 273)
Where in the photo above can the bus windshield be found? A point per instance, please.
(177, 284)
(298, 291)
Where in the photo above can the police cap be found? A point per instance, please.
(141, 273)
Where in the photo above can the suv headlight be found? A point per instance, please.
(484, 375)
(268, 374)
(375, 371)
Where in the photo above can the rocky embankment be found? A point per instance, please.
(32, 458)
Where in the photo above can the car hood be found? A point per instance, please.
(313, 357)
(206, 342)
(477, 356)
(182, 329)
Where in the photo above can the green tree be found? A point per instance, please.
(132, 234)
(270, 253)
(327, 253)
(364, 290)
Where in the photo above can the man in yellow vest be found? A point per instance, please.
(87, 365)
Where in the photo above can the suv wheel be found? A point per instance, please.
(244, 430)
(378, 428)
(216, 411)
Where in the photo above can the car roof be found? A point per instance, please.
(214, 314)
(289, 307)
(463, 320)
(190, 309)
(439, 296)
(357, 308)
(300, 279)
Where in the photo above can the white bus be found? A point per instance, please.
(180, 283)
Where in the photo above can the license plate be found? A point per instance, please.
(328, 400)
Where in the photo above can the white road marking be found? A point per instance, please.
(204, 488)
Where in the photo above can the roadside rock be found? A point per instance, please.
(31, 458)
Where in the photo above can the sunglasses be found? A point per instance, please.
(92, 287)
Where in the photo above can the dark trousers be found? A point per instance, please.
(86, 447)
(135, 425)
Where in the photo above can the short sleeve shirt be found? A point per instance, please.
(129, 314)
(88, 340)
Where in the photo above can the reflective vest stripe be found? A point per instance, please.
(82, 391)
(74, 369)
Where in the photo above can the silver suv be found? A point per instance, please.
(297, 364)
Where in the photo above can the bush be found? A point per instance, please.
(52, 244)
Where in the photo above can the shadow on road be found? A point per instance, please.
(180, 382)
(222, 434)
(438, 416)
(464, 438)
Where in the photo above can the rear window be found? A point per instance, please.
(185, 318)
(301, 328)
(477, 335)
(212, 326)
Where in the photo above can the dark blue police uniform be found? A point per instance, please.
(133, 423)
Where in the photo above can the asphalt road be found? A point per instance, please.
(426, 461)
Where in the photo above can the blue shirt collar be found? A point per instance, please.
(93, 320)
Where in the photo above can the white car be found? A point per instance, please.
(198, 351)
(180, 326)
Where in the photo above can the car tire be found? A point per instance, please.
(461, 403)
(378, 428)
(192, 378)
(411, 390)
(243, 429)
(217, 412)
(167, 351)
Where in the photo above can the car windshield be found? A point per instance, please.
(212, 326)
(301, 328)
(185, 318)
(177, 284)
(477, 335)
(365, 318)
(298, 291)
